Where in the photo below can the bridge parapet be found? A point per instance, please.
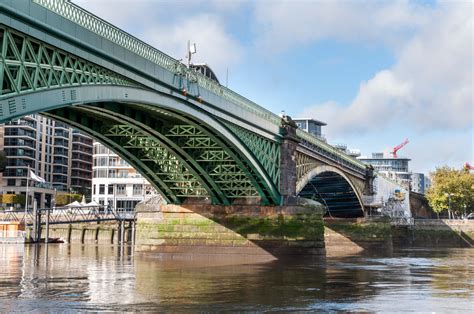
(112, 33)
(329, 151)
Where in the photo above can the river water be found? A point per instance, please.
(74, 277)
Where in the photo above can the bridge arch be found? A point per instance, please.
(334, 189)
(183, 150)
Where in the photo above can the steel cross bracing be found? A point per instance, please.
(28, 65)
(191, 161)
(169, 152)
(224, 176)
(335, 193)
(304, 165)
(266, 151)
(185, 76)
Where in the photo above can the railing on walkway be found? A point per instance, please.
(70, 215)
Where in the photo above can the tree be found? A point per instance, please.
(452, 190)
(12, 199)
(66, 198)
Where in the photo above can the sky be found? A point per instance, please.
(376, 72)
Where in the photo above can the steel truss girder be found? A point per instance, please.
(93, 127)
(194, 145)
(267, 194)
(266, 151)
(152, 145)
(27, 64)
(174, 170)
(335, 192)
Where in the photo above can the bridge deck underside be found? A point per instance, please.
(334, 192)
(181, 157)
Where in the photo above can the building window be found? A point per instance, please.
(110, 189)
(137, 189)
(102, 189)
(94, 187)
(121, 189)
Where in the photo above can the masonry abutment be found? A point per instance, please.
(288, 174)
(244, 229)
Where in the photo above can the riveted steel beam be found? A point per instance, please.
(155, 138)
(27, 65)
(268, 194)
(92, 127)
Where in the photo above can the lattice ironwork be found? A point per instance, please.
(178, 176)
(106, 30)
(27, 64)
(214, 159)
(330, 152)
(266, 151)
(304, 164)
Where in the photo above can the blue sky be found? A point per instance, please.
(376, 72)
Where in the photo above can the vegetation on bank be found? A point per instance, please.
(304, 227)
(451, 191)
(357, 231)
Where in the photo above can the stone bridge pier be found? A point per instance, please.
(245, 229)
(295, 227)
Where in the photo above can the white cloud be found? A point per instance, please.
(169, 26)
(214, 46)
(284, 24)
(429, 88)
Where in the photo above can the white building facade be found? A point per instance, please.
(115, 183)
(395, 169)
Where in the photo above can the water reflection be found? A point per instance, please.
(90, 277)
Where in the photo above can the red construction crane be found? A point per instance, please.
(397, 148)
(468, 166)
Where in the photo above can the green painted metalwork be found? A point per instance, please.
(94, 127)
(212, 160)
(170, 168)
(226, 154)
(219, 164)
(27, 65)
(266, 151)
(106, 30)
(330, 151)
(163, 140)
(126, 114)
(188, 149)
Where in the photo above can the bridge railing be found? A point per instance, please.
(108, 31)
(331, 150)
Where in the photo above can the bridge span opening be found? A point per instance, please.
(335, 193)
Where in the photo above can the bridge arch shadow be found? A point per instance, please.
(332, 188)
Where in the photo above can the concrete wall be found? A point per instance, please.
(435, 233)
(353, 236)
(241, 229)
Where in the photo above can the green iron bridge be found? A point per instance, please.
(188, 135)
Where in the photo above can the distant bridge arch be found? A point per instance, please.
(334, 189)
